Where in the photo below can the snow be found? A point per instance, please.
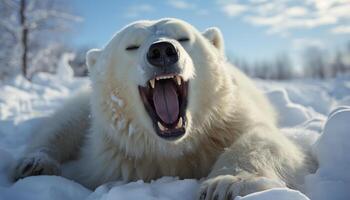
(280, 194)
(293, 114)
(163, 189)
(44, 187)
(315, 114)
(332, 180)
(63, 69)
(117, 100)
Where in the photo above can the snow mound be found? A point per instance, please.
(332, 179)
(290, 114)
(44, 187)
(165, 188)
(280, 194)
(303, 107)
(64, 70)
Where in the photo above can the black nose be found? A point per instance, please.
(162, 54)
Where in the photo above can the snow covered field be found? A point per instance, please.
(313, 113)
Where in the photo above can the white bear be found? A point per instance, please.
(164, 101)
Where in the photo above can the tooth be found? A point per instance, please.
(179, 124)
(161, 127)
(152, 82)
(178, 80)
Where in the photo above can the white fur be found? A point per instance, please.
(231, 137)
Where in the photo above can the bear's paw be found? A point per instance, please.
(227, 187)
(38, 163)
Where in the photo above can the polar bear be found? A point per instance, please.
(164, 101)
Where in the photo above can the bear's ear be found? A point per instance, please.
(215, 37)
(91, 58)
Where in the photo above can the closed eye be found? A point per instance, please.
(183, 39)
(132, 47)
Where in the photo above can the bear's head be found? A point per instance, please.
(159, 81)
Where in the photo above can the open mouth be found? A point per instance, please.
(165, 99)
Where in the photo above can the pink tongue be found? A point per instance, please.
(166, 101)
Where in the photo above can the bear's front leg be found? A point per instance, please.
(255, 162)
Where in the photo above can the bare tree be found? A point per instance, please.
(338, 66)
(262, 69)
(32, 25)
(8, 38)
(24, 35)
(283, 67)
(315, 63)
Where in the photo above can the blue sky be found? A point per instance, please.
(253, 29)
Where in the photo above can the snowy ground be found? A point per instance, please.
(309, 114)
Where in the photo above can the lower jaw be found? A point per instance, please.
(171, 132)
(173, 135)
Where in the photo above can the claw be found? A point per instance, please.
(203, 195)
(27, 167)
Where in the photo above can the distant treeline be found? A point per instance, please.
(314, 63)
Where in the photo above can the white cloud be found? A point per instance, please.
(296, 11)
(258, 1)
(342, 29)
(340, 11)
(325, 4)
(281, 17)
(267, 21)
(179, 4)
(185, 5)
(281, 24)
(233, 9)
(137, 10)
